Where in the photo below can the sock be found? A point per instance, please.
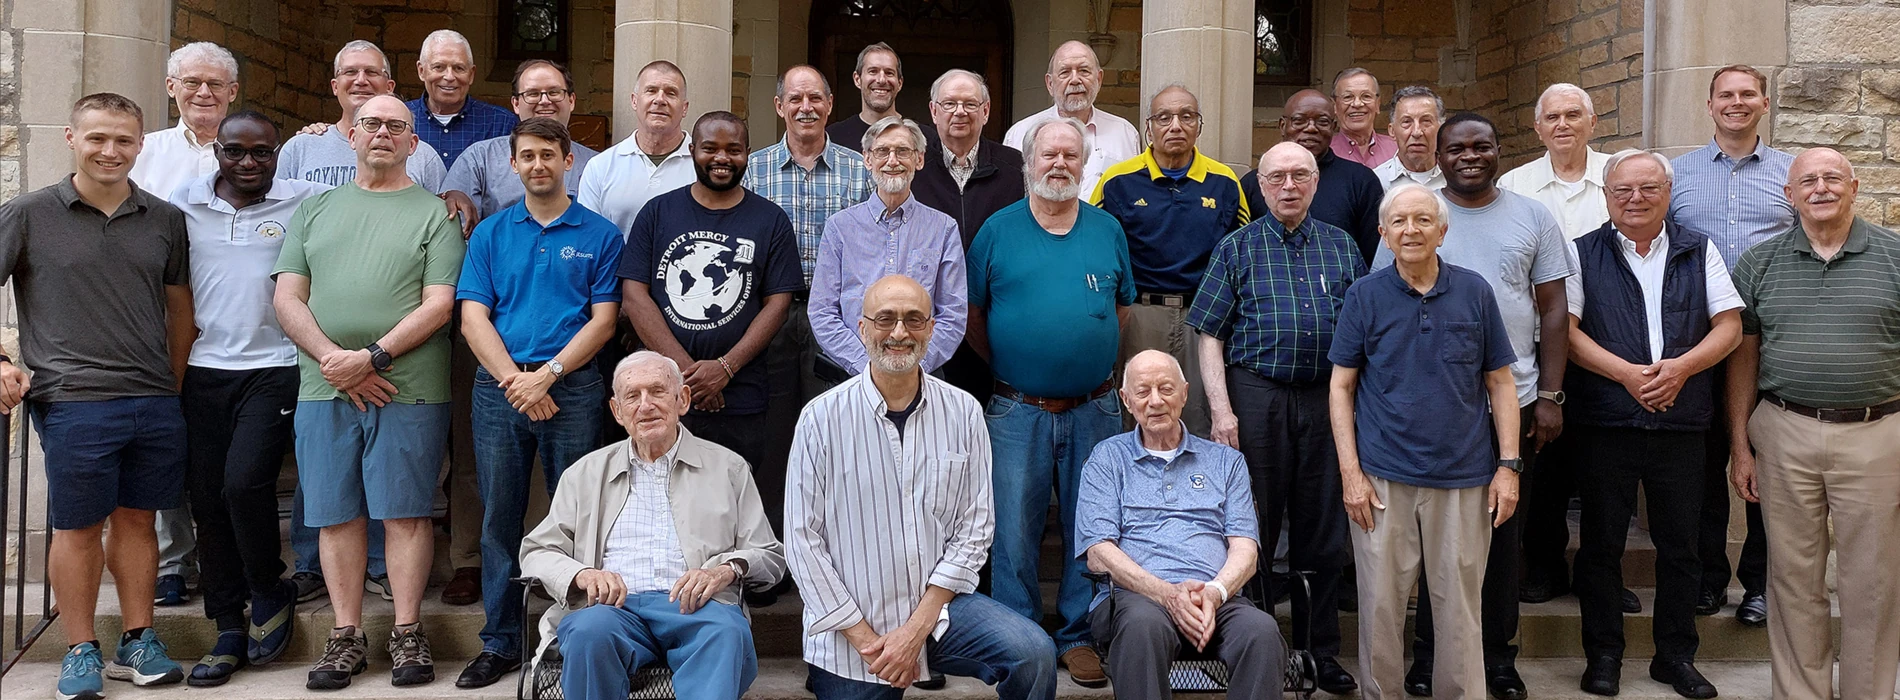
(405, 629)
(93, 642)
(131, 635)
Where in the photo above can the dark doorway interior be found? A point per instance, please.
(930, 36)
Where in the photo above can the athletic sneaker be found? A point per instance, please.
(410, 661)
(142, 660)
(79, 674)
(309, 586)
(343, 656)
(380, 586)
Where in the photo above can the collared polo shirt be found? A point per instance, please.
(1381, 149)
(232, 254)
(541, 282)
(1736, 203)
(1115, 140)
(864, 243)
(1580, 206)
(1422, 412)
(1392, 172)
(1649, 271)
(478, 121)
(1830, 329)
(1173, 516)
(620, 182)
(485, 173)
(1172, 224)
(1272, 296)
(837, 180)
(170, 158)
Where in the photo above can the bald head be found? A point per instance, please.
(1289, 176)
(1822, 187)
(381, 148)
(1155, 391)
(896, 324)
(1149, 363)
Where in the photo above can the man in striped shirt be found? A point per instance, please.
(888, 521)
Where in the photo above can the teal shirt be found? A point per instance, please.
(1050, 300)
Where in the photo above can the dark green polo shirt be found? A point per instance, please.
(1830, 329)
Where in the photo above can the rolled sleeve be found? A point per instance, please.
(1349, 331)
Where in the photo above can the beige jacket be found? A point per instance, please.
(717, 516)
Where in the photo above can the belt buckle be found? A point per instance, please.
(1867, 414)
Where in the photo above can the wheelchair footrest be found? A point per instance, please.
(649, 683)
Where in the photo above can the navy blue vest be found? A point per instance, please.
(1613, 316)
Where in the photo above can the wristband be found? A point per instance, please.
(1224, 595)
(726, 367)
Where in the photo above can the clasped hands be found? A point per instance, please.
(892, 657)
(1193, 606)
(1655, 386)
(351, 373)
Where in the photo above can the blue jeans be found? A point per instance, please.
(1034, 451)
(506, 443)
(985, 641)
(710, 651)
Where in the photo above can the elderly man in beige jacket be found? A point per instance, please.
(648, 542)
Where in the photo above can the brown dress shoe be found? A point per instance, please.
(1085, 667)
(465, 588)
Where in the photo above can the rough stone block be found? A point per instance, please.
(1593, 28)
(1818, 89)
(1832, 130)
(1893, 140)
(1365, 23)
(1873, 210)
(1893, 211)
(1602, 75)
(1836, 34)
(1594, 54)
(1560, 11)
(1626, 45)
(1878, 179)
(1880, 92)
(1561, 68)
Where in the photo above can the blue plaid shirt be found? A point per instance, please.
(1272, 296)
(478, 121)
(838, 180)
(1736, 203)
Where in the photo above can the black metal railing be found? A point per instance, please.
(14, 610)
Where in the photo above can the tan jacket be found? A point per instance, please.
(717, 517)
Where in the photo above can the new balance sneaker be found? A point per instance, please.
(171, 590)
(343, 656)
(226, 657)
(272, 619)
(79, 674)
(142, 661)
(410, 661)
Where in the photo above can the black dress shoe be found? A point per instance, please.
(1540, 592)
(935, 681)
(487, 668)
(1682, 677)
(1604, 676)
(1711, 601)
(1418, 679)
(1754, 610)
(1504, 683)
(1631, 604)
(1334, 679)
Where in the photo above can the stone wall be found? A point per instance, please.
(1841, 89)
(11, 159)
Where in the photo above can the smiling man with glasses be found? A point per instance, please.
(1356, 100)
(542, 89)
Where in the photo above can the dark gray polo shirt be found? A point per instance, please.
(91, 290)
(1830, 329)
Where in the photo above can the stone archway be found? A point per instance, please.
(932, 36)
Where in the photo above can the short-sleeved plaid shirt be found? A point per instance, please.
(838, 180)
(1272, 296)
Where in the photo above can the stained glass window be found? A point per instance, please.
(1282, 42)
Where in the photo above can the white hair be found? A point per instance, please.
(205, 51)
(1609, 166)
(982, 88)
(648, 358)
(893, 122)
(1442, 211)
(1564, 89)
(1035, 134)
(1172, 363)
(336, 64)
(440, 35)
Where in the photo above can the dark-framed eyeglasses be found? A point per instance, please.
(234, 153)
(554, 95)
(888, 323)
(396, 127)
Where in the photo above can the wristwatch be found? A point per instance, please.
(379, 358)
(1514, 464)
(554, 365)
(1556, 397)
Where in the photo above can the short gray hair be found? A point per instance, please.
(1392, 195)
(336, 64)
(205, 51)
(1564, 89)
(893, 122)
(1413, 92)
(1035, 134)
(1354, 72)
(648, 358)
(440, 35)
(1616, 159)
(982, 88)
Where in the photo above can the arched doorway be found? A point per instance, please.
(931, 36)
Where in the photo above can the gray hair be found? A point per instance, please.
(1172, 362)
(440, 35)
(1413, 92)
(1564, 89)
(1669, 172)
(893, 122)
(1353, 72)
(648, 358)
(1035, 134)
(336, 64)
(778, 92)
(1443, 211)
(982, 88)
(205, 51)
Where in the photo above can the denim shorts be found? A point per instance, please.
(111, 454)
(379, 462)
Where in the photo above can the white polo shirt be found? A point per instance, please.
(1579, 206)
(1115, 139)
(618, 183)
(232, 254)
(1392, 172)
(172, 157)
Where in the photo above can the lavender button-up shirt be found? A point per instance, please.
(863, 243)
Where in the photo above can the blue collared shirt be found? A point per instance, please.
(1272, 296)
(1736, 203)
(478, 121)
(486, 173)
(839, 179)
(1172, 517)
(864, 243)
(541, 282)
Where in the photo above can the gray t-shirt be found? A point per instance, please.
(484, 174)
(91, 290)
(330, 160)
(1515, 244)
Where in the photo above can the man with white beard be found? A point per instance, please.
(1074, 79)
(1049, 262)
(890, 234)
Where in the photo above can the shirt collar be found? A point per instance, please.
(1439, 286)
(950, 157)
(518, 213)
(1856, 239)
(1188, 444)
(630, 146)
(203, 191)
(1543, 171)
(1279, 229)
(1629, 246)
(1716, 154)
(870, 396)
(684, 452)
(68, 196)
(190, 137)
(1197, 165)
(825, 155)
(903, 212)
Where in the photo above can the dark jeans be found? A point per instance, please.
(506, 443)
(1286, 435)
(1712, 542)
(1498, 603)
(238, 426)
(1666, 464)
(1139, 642)
(985, 641)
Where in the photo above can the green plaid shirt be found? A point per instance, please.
(1272, 295)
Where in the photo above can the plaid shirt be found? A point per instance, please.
(1272, 296)
(838, 180)
(478, 121)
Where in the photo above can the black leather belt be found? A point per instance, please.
(530, 366)
(1053, 405)
(1835, 415)
(1173, 301)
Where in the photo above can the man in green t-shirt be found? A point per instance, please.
(365, 285)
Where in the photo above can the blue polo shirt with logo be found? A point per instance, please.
(541, 282)
(1172, 222)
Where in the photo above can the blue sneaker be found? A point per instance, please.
(143, 661)
(79, 674)
(170, 591)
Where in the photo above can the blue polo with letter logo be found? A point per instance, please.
(540, 282)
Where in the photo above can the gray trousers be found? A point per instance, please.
(1141, 642)
(175, 542)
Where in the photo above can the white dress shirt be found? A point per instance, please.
(618, 183)
(1115, 140)
(1579, 207)
(1649, 269)
(642, 546)
(1392, 172)
(172, 157)
(232, 254)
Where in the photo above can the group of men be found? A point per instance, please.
(891, 343)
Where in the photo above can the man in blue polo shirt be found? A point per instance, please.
(1420, 357)
(539, 297)
(1175, 204)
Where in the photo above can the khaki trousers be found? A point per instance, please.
(1448, 532)
(1809, 472)
(1164, 328)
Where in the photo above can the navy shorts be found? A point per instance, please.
(106, 455)
(380, 463)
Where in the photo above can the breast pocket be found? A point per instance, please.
(947, 487)
(1459, 343)
(1099, 287)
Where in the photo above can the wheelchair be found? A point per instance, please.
(540, 677)
(1197, 671)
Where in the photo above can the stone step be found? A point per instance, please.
(784, 679)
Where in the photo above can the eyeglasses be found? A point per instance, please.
(955, 106)
(1300, 123)
(1279, 177)
(1832, 180)
(1622, 193)
(261, 154)
(396, 127)
(353, 73)
(884, 153)
(192, 85)
(543, 95)
(1187, 119)
(911, 323)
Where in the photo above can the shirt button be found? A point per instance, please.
(1170, 487)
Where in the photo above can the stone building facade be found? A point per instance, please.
(1842, 89)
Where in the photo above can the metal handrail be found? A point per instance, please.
(23, 638)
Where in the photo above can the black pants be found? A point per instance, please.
(238, 426)
(1546, 512)
(1752, 567)
(743, 434)
(1666, 464)
(1497, 609)
(1286, 435)
(1139, 641)
(966, 370)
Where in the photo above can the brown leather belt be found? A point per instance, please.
(1835, 415)
(1053, 405)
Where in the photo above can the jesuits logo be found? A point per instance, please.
(707, 278)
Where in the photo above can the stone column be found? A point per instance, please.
(695, 34)
(1207, 46)
(73, 48)
(1684, 42)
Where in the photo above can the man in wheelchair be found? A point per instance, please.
(1170, 518)
(646, 546)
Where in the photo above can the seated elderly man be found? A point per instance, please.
(648, 541)
(1170, 518)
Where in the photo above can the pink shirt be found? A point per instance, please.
(1383, 149)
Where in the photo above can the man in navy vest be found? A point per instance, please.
(1651, 311)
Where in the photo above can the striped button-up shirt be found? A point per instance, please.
(642, 546)
(874, 517)
(1736, 203)
(1272, 295)
(837, 180)
(864, 243)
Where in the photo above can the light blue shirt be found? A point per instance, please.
(1736, 203)
(864, 243)
(486, 174)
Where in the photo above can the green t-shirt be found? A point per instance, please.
(368, 255)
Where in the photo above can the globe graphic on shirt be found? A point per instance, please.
(701, 283)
